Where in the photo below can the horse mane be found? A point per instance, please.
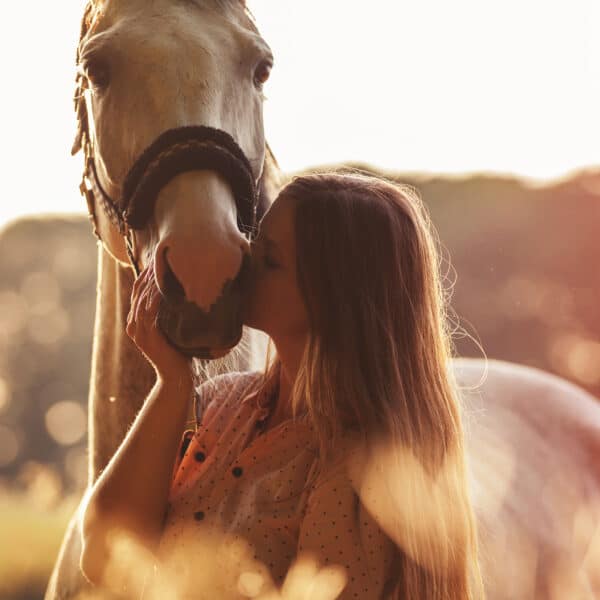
(270, 183)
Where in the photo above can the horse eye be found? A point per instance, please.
(97, 72)
(262, 73)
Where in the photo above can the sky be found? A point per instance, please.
(506, 86)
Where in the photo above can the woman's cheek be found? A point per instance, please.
(259, 285)
(260, 299)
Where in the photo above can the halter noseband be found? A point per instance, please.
(174, 152)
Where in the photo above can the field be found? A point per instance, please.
(525, 286)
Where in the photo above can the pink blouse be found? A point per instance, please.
(244, 502)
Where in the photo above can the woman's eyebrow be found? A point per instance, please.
(274, 248)
(269, 242)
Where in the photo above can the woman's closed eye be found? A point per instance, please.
(269, 252)
(270, 262)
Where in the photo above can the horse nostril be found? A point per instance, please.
(172, 288)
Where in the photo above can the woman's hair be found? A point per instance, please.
(376, 364)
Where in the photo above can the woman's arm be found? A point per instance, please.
(131, 493)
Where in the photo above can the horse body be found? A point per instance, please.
(203, 65)
(533, 442)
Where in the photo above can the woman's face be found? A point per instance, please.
(274, 303)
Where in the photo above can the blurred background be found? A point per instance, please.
(489, 108)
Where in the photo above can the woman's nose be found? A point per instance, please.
(250, 261)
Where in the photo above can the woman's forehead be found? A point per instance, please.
(279, 219)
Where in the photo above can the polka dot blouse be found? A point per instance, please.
(261, 489)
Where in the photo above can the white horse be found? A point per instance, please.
(149, 67)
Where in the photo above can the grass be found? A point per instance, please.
(30, 538)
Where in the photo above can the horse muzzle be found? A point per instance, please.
(202, 334)
(191, 330)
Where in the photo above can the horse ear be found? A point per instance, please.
(81, 115)
(233, 3)
(80, 108)
(270, 183)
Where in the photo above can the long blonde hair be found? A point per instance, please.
(376, 364)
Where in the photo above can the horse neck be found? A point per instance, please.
(271, 182)
(120, 377)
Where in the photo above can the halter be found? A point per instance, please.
(174, 152)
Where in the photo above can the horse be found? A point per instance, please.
(184, 79)
(212, 60)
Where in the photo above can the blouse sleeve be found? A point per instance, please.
(339, 530)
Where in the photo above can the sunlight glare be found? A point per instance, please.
(410, 86)
(66, 422)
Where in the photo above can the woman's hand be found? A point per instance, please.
(142, 328)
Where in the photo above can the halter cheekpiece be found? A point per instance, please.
(174, 152)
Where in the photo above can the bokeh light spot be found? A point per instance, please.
(4, 394)
(9, 446)
(577, 357)
(12, 313)
(49, 329)
(521, 298)
(68, 266)
(250, 584)
(42, 293)
(584, 362)
(66, 422)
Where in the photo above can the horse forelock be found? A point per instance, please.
(239, 6)
(93, 12)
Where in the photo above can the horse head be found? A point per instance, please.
(169, 101)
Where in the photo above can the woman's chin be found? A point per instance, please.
(249, 320)
(216, 354)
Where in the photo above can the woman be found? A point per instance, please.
(349, 448)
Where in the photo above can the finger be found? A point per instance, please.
(141, 280)
(136, 292)
(143, 294)
(132, 316)
(136, 305)
(131, 328)
(154, 294)
(152, 307)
